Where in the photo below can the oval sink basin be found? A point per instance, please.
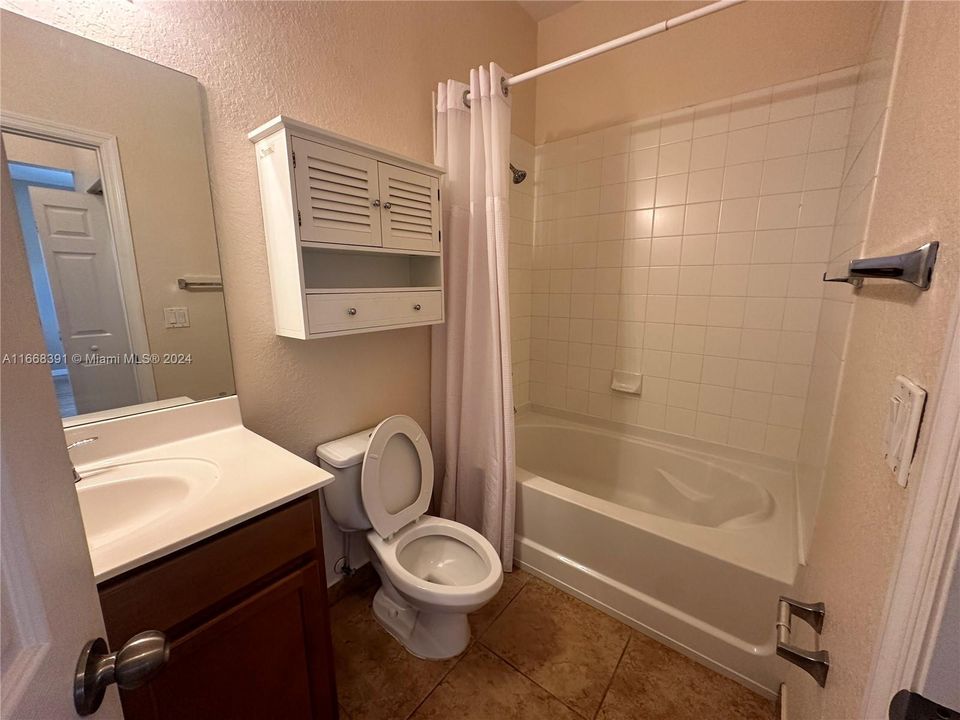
(120, 499)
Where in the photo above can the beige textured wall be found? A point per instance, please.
(743, 48)
(894, 329)
(156, 116)
(363, 69)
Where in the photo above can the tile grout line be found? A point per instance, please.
(614, 673)
(510, 664)
(436, 685)
(523, 674)
(464, 653)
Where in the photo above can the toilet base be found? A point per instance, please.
(428, 635)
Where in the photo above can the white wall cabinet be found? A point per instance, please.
(353, 233)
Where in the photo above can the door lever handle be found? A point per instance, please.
(140, 658)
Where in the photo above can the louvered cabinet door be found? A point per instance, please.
(411, 209)
(336, 191)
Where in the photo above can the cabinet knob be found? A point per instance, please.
(376, 203)
(351, 311)
(417, 306)
(387, 206)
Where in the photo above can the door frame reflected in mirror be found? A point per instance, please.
(108, 156)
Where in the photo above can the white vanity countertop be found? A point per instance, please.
(254, 476)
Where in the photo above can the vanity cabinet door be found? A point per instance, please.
(256, 660)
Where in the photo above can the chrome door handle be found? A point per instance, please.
(140, 658)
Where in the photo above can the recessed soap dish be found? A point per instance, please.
(626, 382)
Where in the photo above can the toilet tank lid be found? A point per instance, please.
(346, 451)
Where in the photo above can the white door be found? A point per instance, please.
(50, 608)
(411, 209)
(81, 264)
(336, 195)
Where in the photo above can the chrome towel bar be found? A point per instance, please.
(814, 662)
(185, 284)
(914, 267)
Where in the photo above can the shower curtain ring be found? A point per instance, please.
(504, 88)
(466, 98)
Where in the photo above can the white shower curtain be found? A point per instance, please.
(471, 385)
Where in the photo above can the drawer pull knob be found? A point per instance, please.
(376, 203)
(417, 306)
(387, 206)
(351, 311)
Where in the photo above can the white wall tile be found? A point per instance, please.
(671, 190)
(705, 185)
(746, 145)
(701, 218)
(674, 158)
(689, 247)
(743, 180)
(708, 152)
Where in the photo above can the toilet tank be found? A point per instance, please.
(343, 458)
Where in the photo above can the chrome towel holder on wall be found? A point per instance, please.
(914, 267)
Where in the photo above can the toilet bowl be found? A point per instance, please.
(433, 572)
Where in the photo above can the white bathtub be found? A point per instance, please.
(689, 542)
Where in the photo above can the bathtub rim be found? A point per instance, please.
(784, 567)
(659, 437)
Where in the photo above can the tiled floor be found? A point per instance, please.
(537, 653)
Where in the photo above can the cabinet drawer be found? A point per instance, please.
(347, 311)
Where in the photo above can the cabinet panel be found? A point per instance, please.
(260, 659)
(347, 311)
(174, 589)
(335, 195)
(411, 209)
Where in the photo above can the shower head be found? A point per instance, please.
(518, 175)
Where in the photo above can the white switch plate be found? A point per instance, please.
(176, 317)
(904, 411)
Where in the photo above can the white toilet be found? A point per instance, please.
(432, 571)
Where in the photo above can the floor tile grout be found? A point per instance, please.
(439, 682)
(521, 672)
(472, 642)
(613, 674)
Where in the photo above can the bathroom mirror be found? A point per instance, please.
(106, 156)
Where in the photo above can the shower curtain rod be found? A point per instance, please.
(627, 39)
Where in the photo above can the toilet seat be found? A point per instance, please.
(439, 595)
(396, 481)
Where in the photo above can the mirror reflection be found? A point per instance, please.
(117, 223)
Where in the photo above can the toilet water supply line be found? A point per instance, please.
(619, 42)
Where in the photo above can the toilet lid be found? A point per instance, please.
(397, 477)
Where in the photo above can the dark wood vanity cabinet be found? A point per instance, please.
(246, 615)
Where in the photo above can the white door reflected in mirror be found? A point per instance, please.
(84, 280)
